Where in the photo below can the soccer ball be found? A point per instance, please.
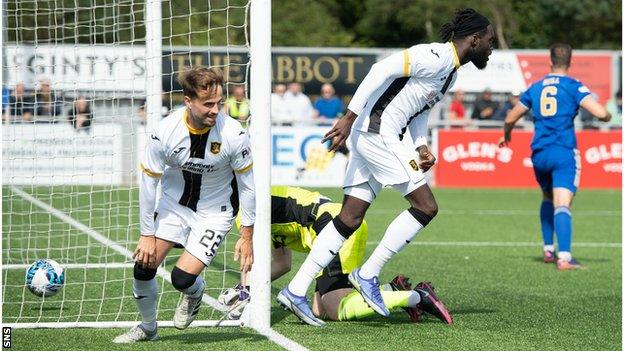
(45, 278)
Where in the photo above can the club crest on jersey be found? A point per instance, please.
(215, 147)
(413, 164)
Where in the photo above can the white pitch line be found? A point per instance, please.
(269, 333)
(75, 265)
(583, 213)
(166, 275)
(281, 340)
(501, 244)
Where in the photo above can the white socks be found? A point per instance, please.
(564, 255)
(414, 299)
(145, 295)
(326, 246)
(399, 233)
(196, 289)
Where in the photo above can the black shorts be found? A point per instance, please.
(325, 283)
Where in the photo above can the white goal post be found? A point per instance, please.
(70, 189)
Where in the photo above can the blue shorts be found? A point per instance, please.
(557, 167)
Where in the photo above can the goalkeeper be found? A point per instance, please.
(296, 216)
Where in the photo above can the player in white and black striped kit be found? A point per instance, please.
(394, 97)
(202, 159)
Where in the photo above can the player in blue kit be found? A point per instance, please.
(556, 162)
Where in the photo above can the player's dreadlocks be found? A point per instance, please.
(465, 23)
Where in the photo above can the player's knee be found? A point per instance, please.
(182, 280)
(424, 216)
(143, 274)
(347, 229)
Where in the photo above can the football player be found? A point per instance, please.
(396, 95)
(297, 215)
(202, 159)
(555, 100)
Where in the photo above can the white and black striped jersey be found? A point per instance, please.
(404, 86)
(196, 167)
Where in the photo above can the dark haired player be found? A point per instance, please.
(396, 95)
(297, 215)
(555, 100)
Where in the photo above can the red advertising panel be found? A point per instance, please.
(473, 159)
(592, 70)
(601, 155)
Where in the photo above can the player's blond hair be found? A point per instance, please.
(197, 78)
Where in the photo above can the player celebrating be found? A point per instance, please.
(297, 215)
(202, 157)
(395, 95)
(555, 101)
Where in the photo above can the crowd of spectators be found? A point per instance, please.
(290, 106)
(44, 105)
(457, 110)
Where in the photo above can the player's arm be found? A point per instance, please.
(242, 164)
(513, 116)
(393, 66)
(595, 108)
(152, 167)
(418, 129)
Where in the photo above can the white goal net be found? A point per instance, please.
(83, 81)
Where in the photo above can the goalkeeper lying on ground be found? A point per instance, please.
(296, 216)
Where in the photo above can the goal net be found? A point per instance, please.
(83, 82)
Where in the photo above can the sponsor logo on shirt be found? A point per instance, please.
(433, 97)
(246, 152)
(195, 167)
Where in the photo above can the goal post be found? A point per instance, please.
(260, 89)
(153, 62)
(70, 190)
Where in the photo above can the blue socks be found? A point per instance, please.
(547, 218)
(563, 228)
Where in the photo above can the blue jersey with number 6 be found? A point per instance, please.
(555, 101)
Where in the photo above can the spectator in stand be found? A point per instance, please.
(142, 113)
(501, 111)
(299, 104)
(484, 107)
(280, 113)
(47, 104)
(457, 110)
(614, 106)
(80, 115)
(20, 105)
(587, 119)
(328, 107)
(5, 101)
(237, 105)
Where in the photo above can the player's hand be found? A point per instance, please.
(244, 249)
(145, 252)
(427, 160)
(340, 131)
(502, 142)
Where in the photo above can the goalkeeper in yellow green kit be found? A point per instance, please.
(297, 215)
